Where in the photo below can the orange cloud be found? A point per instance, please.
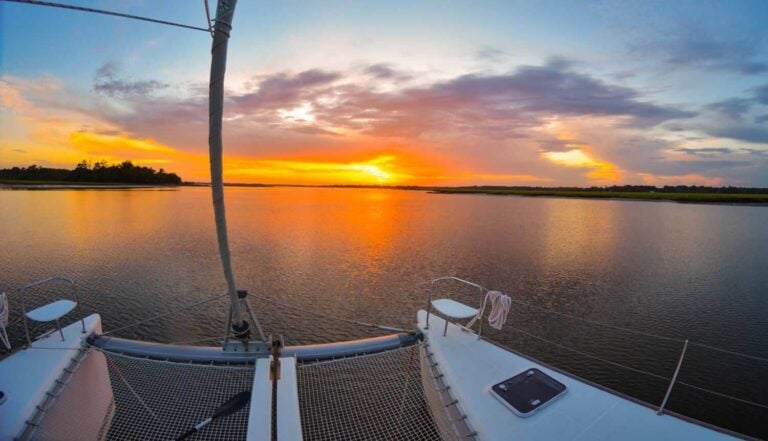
(119, 147)
(599, 170)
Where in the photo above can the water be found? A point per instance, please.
(684, 271)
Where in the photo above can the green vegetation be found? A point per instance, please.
(83, 173)
(679, 194)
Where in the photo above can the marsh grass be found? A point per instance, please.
(660, 196)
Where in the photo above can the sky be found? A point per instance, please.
(534, 93)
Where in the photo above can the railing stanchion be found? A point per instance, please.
(674, 378)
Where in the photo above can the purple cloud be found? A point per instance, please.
(385, 71)
(107, 82)
(284, 90)
(491, 105)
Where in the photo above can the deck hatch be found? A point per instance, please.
(528, 391)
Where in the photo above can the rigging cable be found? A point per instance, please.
(320, 314)
(208, 16)
(630, 368)
(155, 317)
(634, 331)
(105, 12)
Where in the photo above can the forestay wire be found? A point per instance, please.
(105, 12)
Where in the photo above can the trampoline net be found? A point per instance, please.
(162, 400)
(371, 397)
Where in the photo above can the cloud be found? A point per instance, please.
(491, 54)
(705, 151)
(316, 104)
(761, 94)
(481, 127)
(740, 122)
(734, 108)
(701, 51)
(107, 82)
(490, 105)
(750, 133)
(284, 90)
(101, 144)
(386, 72)
(600, 171)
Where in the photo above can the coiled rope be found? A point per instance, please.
(4, 312)
(500, 306)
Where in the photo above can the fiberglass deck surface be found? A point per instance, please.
(585, 412)
(26, 375)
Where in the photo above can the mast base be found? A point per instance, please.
(242, 330)
(258, 348)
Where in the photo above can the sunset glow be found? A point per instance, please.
(379, 170)
(99, 144)
(598, 171)
(311, 98)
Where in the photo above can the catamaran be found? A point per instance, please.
(443, 380)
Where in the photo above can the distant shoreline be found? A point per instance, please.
(723, 198)
(66, 185)
(690, 197)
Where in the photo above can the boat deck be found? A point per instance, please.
(471, 366)
(27, 375)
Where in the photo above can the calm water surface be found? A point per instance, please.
(697, 272)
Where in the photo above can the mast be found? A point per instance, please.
(225, 10)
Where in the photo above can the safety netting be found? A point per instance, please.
(371, 397)
(161, 399)
(394, 395)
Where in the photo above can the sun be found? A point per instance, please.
(374, 171)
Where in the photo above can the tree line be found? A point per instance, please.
(123, 173)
